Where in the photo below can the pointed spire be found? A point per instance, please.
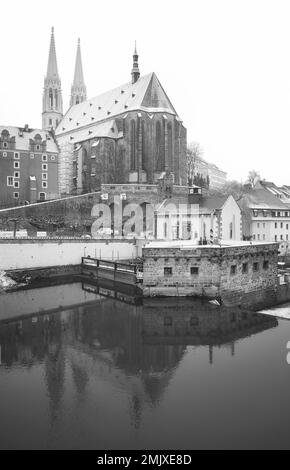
(135, 70)
(79, 75)
(52, 105)
(78, 89)
(52, 71)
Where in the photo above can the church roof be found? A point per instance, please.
(23, 137)
(146, 94)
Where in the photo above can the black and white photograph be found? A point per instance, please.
(145, 228)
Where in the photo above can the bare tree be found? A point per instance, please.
(194, 153)
(230, 188)
(253, 177)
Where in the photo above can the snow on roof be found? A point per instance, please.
(23, 137)
(146, 94)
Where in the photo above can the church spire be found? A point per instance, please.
(52, 107)
(52, 70)
(78, 89)
(135, 69)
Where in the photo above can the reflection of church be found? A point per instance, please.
(133, 348)
(131, 134)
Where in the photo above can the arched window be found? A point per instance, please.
(159, 148)
(51, 98)
(56, 98)
(170, 147)
(77, 100)
(133, 145)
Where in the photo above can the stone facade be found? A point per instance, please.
(128, 135)
(214, 272)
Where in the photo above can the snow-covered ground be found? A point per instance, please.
(5, 282)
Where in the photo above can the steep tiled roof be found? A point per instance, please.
(213, 203)
(146, 94)
(262, 199)
(22, 142)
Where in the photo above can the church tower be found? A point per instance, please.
(135, 69)
(52, 108)
(78, 89)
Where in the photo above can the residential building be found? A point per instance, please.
(266, 218)
(28, 166)
(212, 176)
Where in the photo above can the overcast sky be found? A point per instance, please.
(225, 65)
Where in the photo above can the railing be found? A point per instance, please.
(110, 265)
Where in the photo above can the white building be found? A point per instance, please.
(208, 219)
(266, 218)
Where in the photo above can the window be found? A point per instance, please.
(10, 181)
(287, 226)
(16, 165)
(44, 176)
(16, 195)
(32, 155)
(16, 184)
(44, 158)
(44, 184)
(16, 156)
(259, 237)
(167, 271)
(281, 224)
(52, 158)
(194, 271)
(42, 196)
(276, 225)
(5, 145)
(255, 213)
(258, 225)
(245, 268)
(281, 238)
(233, 270)
(16, 174)
(276, 238)
(256, 267)
(38, 147)
(266, 265)
(4, 154)
(44, 167)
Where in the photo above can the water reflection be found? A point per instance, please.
(136, 349)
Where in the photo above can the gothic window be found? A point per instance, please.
(56, 98)
(77, 100)
(133, 145)
(170, 147)
(50, 98)
(159, 148)
(143, 146)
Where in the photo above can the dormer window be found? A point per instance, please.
(5, 145)
(38, 148)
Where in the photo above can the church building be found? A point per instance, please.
(129, 135)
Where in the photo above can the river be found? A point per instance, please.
(95, 370)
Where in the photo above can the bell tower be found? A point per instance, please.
(52, 107)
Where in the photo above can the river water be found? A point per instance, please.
(93, 370)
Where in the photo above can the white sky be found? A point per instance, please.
(225, 65)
